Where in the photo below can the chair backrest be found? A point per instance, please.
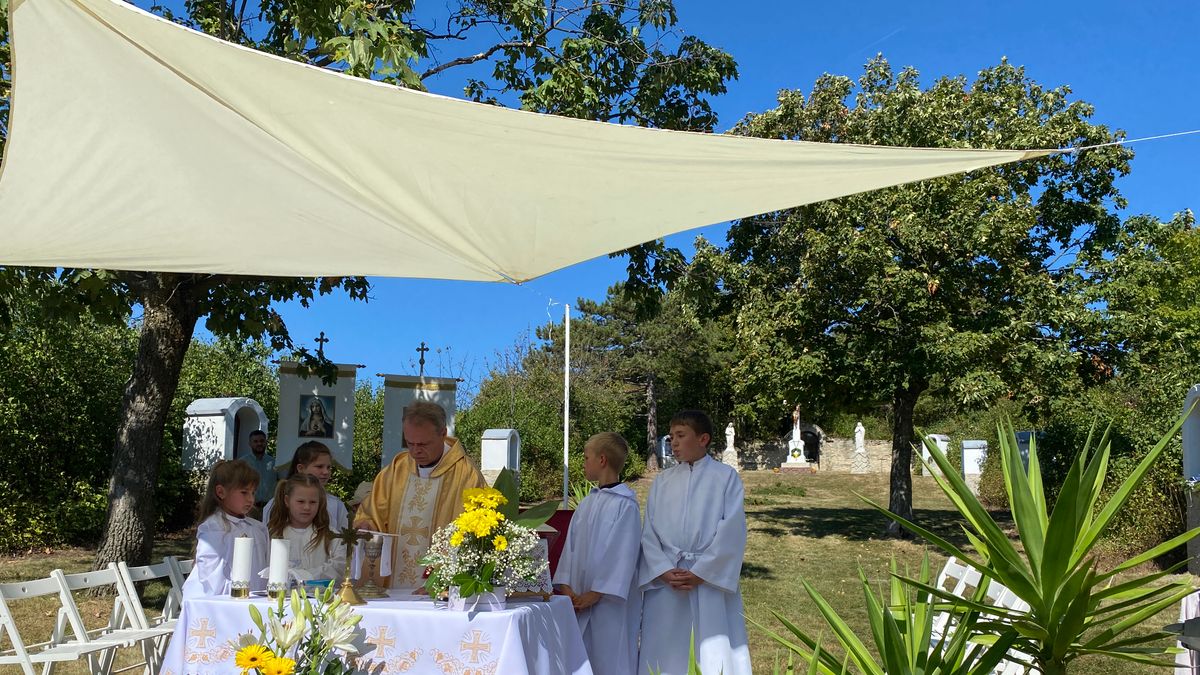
(951, 575)
(122, 613)
(17, 591)
(180, 569)
(131, 576)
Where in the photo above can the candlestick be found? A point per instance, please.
(239, 576)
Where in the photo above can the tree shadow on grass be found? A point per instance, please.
(854, 524)
(752, 571)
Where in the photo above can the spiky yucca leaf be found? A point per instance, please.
(1074, 608)
(901, 628)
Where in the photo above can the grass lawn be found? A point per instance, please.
(801, 526)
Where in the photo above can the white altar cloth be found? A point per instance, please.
(406, 636)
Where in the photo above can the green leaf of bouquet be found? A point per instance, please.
(506, 483)
(536, 516)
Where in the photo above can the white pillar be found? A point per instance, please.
(566, 405)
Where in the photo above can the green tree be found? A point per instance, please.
(1143, 333)
(524, 390)
(616, 62)
(667, 351)
(60, 389)
(951, 283)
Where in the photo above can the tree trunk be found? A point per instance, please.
(651, 427)
(904, 400)
(169, 318)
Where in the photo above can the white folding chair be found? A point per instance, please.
(180, 569)
(123, 628)
(1012, 665)
(60, 647)
(950, 579)
(164, 624)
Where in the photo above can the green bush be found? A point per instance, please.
(1137, 410)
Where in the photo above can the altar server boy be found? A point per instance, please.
(693, 542)
(598, 567)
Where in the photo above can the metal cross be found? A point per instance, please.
(421, 350)
(321, 345)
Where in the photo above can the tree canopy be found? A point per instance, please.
(955, 283)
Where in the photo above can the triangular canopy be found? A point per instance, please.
(138, 144)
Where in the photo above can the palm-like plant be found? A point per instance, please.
(1074, 607)
(901, 623)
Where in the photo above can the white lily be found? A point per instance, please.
(286, 635)
(339, 629)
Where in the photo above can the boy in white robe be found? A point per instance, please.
(598, 567)
(693, 542)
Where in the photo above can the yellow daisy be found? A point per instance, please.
(279, 665)
(252, 656)
(500, 542)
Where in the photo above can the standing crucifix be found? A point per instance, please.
(421, 350)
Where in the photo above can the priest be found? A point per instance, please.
(420, 491)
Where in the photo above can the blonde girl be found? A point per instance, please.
(315, 459)
(221, 518)
(302, 517)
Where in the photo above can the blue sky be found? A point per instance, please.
(1135, 62)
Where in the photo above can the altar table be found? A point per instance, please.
(406, 634)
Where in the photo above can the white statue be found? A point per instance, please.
(796, 425)
(729, 455)
(860, 438)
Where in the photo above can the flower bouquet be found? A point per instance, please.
(317, 637)
(489, 546)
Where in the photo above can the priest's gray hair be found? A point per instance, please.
(426, 411)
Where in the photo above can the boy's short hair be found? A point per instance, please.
(426, 411)
(257, 432)
(696, 420)
(612, 446)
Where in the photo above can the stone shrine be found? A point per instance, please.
(804, 446)
(974, 454)
(942, 441)
(219, 428)
(500, 449)
(310, 410)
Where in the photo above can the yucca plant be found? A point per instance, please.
(579, 490)
(1075, 608)
(902, 628)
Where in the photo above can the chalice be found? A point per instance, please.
(372, 550)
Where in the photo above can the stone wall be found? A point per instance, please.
(836, 455)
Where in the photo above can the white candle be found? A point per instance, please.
(279, 562)
(243, 551)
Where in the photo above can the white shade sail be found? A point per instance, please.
(137, 144)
